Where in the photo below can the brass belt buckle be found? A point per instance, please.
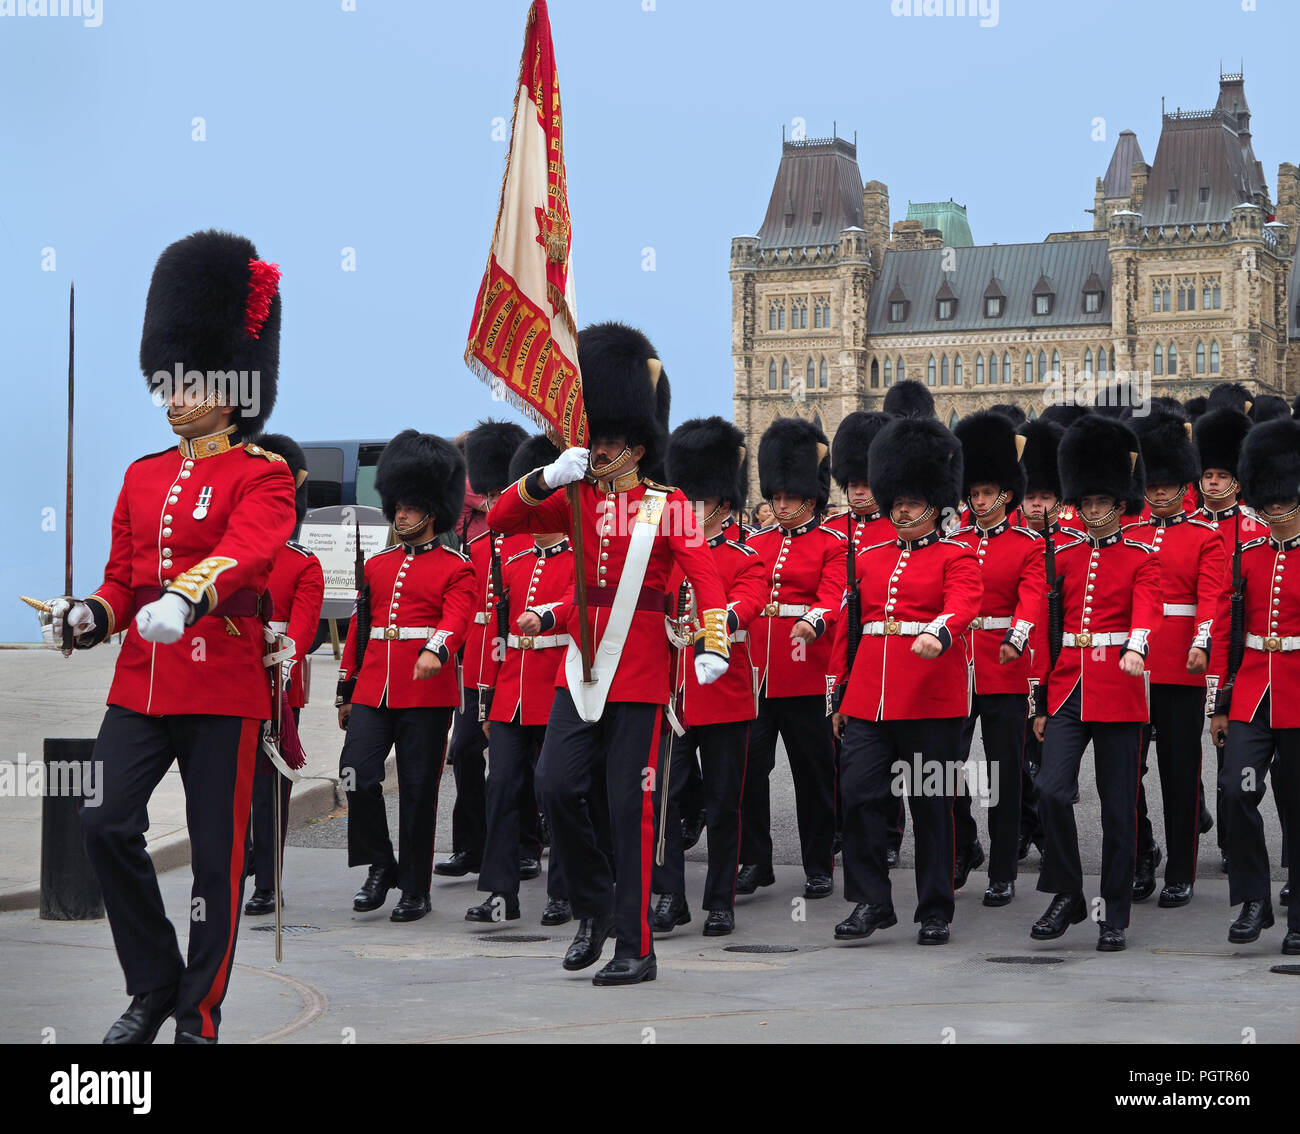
(525, 643)
(390, 632)
(1272, 643)
(977, 624)
(892, 626)
(1084, 639)
(770, 610)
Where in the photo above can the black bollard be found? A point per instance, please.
(69, 888)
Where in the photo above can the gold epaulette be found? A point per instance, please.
(266, 454)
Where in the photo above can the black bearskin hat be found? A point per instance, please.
(1269, 406)
(1065, 414)
(852, 440)
(1218, 435)
(488, 449)
(214, 307)
(1008, 410)
(1120, 399)
(1194, 407)
(1230, 395)
(295, 458)
(1167, 450)
(794, 457)
(625, 389)
(1160, 405)
(990, 455)
(706, 458)
(536, 451)
(909, 398)
(916, 457)
(423, 471)
(1270, 463)
(1101, 456)
(1042, 440)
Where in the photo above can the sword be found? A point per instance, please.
(68, 638)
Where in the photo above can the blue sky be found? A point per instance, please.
(373, 130)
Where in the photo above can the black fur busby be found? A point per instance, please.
(1230, 395)
(1218, 435)
(1270, 463)
(1010, 411)
(1269, 406)
(536, 451)
(909, 398)
(1120, 399)
(625, 389)
(424, 471)
(916, 457)
(794, 457)
(488, 449)
(1065, 414)
(1194, 407)
(852, 440)
(1101, 456)
(706, 458)
(1167, 450)
(1042, 440)
(990, 454)
(295, 458)
(214, 307)
(1160, 405)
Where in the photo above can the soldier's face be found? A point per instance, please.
(1164, 495)
(185, 398)
(1215, 482)
(606, 450)
(983, 497)
(791, 510)
(908, 511)
(1279, 508)
(1037, 504)
(410, 520)
(1094, 508)
(859, 496)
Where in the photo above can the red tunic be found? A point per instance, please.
(205, 520)
(479, 663)
(1039, 654)
(298, 592)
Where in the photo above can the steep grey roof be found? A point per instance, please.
(1201, 149)
(1127, 152)
(817, 194)
(1017, 268)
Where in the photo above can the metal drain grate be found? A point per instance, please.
(1286, 970)
(1030, 959)
(288, 930)
(515, 938)
(761, 949)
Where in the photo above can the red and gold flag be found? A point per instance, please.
(524, 331)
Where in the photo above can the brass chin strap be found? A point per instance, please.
(704, 523)
(402, 533)
(1271, 520)
(610, 468)
(1106, 519)
(1003, 497)
(914, 523)
(1168, 503)
(204, 407)
(868, 505)
(1231, 490)
(804, 509)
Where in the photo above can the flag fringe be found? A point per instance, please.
(500, 389)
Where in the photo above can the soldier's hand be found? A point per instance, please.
(709, 667)
(487, 729)
(529, 624)
(804, 631)
(427, 665)
(569, 466)
(1219, 729)
(345, 711)
(1130, 661)
(1198, 660)
(927, 646)
(1007, 653)
(163, 620)
(1040, 728)
(77, 614)
(838, 721)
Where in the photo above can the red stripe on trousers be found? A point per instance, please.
(250, 733)
(648, 837)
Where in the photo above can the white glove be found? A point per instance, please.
(79, 617)
(163, 620)
(709, 667)
(569, 466)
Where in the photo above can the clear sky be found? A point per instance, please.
(373, 130)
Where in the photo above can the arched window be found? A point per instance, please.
(1056, 366)
(889, 371)
(785, 374)
(1029, 367)
(1172, 358)
(1033, 414)
(1006, 368)
(952, 420)
(823, 375)
(900, 371)
(956, 371)
(1042, 366)
(875, 373)
(1102, 367)
(1200, 357)
(943, 371)
(929, 372)
(1158, 360)
(810, 375)
(1087, 363)
(979, 370)
(771, 375)
(1214, 357)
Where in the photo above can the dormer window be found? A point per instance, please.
(898, 305)
(1043, 296)
(947, 308)
(1173, 196)
(994, 305)
(1092, 292)
(945, 302)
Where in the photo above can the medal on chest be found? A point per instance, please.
(205, 499)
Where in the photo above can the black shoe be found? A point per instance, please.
(864, 921)
(457, 866)
(588, 942)
(1110, 939)
(968, 858)
(1291, 943)
(750, 878)
(933, 931)
(381, 879)
(1175, 894)
(1027, 841)
(1064, 911)
(1284, 895)
(557, 912)
(627, 970)
(891, 858)
(818, 886)
(262, 902)
(192, 1037)
(670, 911)
(692, 828)
(1254, 917)
(529, 868)
(1223, 861)
(1207, 820)
(498, 907)
(999, 893)
(837, 847)
(719, 923)
(1144, 874)
(141, 1021)
(412, 907)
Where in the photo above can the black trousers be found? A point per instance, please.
(1116, 757)
(1177, 720)
(801, 723)
(265, 785)
(1247, 756)
(691, 800)
(513, 825)
(872, 755)
(217, 757)
(626, 744)
(468, 767)
(723, 750)
(1002, 716)
(421, 739)
(1031, 826)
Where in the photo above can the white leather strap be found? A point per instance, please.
(1272, 644)
(403, 633)
(1180, 610)
(481, 618)
(533, 642)
(906, 629)
(278, 626)
(785, 610)
(1087, 640)
(991, 624)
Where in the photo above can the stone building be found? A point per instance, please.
(1184, 281)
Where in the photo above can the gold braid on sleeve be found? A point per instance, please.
(199, 583)
(714, 632)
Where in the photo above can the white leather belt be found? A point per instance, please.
(785, 610)
(1180, 610)
(893, 626)
(481, 618)
(530, 642)
(991, 624)
(403, 633)
(1272, 644)
(278, 627)
(739, 636)
(1087, 639)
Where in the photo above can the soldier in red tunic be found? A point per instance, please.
(907, 695)
(1096, 691)
(196, 530)
(297, 593)
(402, 685)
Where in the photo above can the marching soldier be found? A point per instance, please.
(907, 693)
(791, 646)
(488, 449)
(538, 591)
(400, 684)
(1111, 602)
(297, 587)
(706, 461)
(1191, 555)
(634, 530)
(196, 531)
(1014, 602)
